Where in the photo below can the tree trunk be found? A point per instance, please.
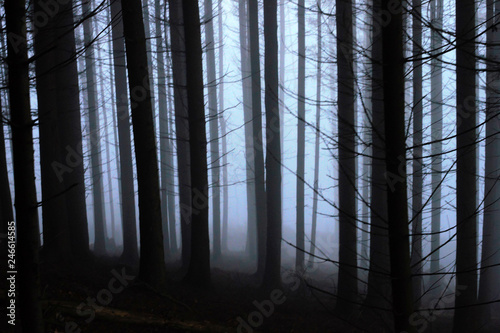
(181, 124)
(347, 283)
(199, 266)
(152, 267)
(6, 213)
(466, 254)
(488, 286)
(130, 251)
(95, 155)
(397, 202)
(301, 138)
(214, 126)
(258, 144)
(28, 239)
(273, 152)
(417, 189)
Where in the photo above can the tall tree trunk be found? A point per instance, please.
(6, 213)
(181, 124)
(488, 286)
(164, 133)
(56, 245)
(95, 155)
(152, 267)
(199, 266)
(130, 250)
(466, 254)
(28, 239)
(273, 152)
(258, 143)
(417, 189)
(397, 202)
(282, 50)
(436, 132)
(251, 244)
(149, 53)
(347, 283)
(214, 125)
(225, 190)
(301, 137)
(316, 142)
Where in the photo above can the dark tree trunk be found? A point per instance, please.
(130, 250)
(199, 266)
(181, 124)
(466, 254)
(6, 213)
(397, 203)
(272, 271)
(347, 283)
(258, 144)
(28, 239)
(152, 266)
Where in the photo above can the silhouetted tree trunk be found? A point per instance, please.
(488, 286)
(199, 266)
(130, 250)
(347, 283)
(147, 32)
(251, 244)
(436, 132)
(152, 268)
(164, 133)
(28, 236)
(181, 124)
(282, 50)
(397, 217)
(273, 152)
(316, 142)
(258, 144)
(95, 155)
(214, 126)
(6, 213)
(466, 282)
(301, 137)
(417, 188)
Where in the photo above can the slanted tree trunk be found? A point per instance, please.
(397, 218)
(258, 143)
(436, 132)
(181, 124)
(488, 286)
(28, 239)
(246, 79)
(301, 138)
(95, 155)
(417, 189)
(214, 126)
(130, 250)
(152, 267)
(272, 277)
(316, 142)
(347, 283)
(466, 254)
(199, 265)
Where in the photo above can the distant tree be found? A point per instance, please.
(199, 265)
(152, 267)
(28, 235)
(6, 213)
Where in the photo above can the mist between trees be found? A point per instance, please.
(337, 156)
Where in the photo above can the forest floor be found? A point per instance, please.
(102, 296)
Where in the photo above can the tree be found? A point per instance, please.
(272, 277)
(395, 158)
(130, 251)
(28, 239)
(199, 265)
(95, 155)
(347, 283)
(466, 255)
(258, 144)
(6, 213)
(301, 137)
(152, 267)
